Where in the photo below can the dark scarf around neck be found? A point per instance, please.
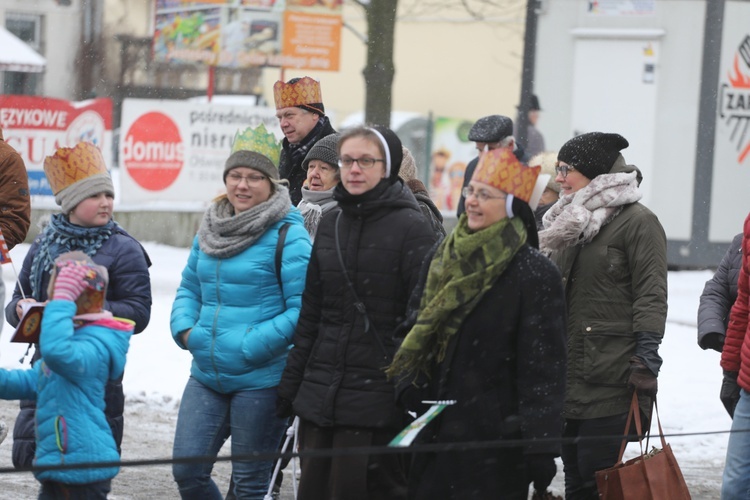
(60, 236)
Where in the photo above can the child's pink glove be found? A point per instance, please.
(69, 283)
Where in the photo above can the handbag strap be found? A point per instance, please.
(634, 412)
(358, 304)
(658, 421)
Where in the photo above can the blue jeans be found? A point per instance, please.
(205, 421)
(736, 482)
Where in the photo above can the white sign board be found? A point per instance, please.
(174, 151)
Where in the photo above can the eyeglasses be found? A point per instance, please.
(481, 194)
(364, 163)
(563, 170)
(252, 180)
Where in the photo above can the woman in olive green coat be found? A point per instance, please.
(611, 251)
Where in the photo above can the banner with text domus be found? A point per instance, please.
(37, 126)
(174, 151)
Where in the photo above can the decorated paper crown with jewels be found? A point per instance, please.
(76, 173)
(70, 165)
(501, 169)
(258, 140)
(304, 92)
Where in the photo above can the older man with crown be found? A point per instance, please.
(494, 306)
(302, 117)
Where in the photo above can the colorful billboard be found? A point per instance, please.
(249, 33)
(37, 126)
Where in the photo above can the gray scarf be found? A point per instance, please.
(223, 234)
(314, 205)
(578, 217)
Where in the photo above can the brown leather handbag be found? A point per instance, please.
(651, 476)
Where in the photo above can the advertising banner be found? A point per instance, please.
(174, 151)
(731, 169)
(36, 126)
(451, 153)
(249, 33)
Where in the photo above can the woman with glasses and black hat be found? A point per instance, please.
(612, 253)
(364, 265)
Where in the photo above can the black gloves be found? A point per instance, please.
(283, 407)
(713, 340)
(730, 392)
(641, 378)
(541, 470)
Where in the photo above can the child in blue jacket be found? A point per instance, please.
(82, 348)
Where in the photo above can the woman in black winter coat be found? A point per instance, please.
(364, 264)
(490, 337)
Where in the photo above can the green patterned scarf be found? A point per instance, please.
(464, 267)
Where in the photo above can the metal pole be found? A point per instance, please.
(527, 74)
(704, 153)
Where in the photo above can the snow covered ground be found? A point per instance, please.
(688, 385)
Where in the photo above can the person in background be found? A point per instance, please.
(735, 361)
(551, 193)
(83, 188)
(364, 266)
(303, 120)
(490, 132)
(323, 175)
(490, 335)
(717, 299)
(235, 311)
(534, 138)
(612, 254)
(439, 183)
(84, 347)
(408, 173)
(15, 213)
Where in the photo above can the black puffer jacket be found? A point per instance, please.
(718, 297)
(334, 373)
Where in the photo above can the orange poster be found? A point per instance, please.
(311, 41)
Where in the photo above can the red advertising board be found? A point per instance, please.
(36, 126)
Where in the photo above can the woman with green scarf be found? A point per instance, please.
(489, 335)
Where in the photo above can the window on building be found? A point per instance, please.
(27, 27)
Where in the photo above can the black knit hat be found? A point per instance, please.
(593, 153)
(393, 153)
(493, 128)
(313, 107)
(324, 150)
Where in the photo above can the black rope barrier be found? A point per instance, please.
(363, 450)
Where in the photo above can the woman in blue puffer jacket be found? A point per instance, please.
(235, 311)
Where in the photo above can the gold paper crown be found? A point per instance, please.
(70, 165)
(303, 91)
(501, 169)
(258, 140)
